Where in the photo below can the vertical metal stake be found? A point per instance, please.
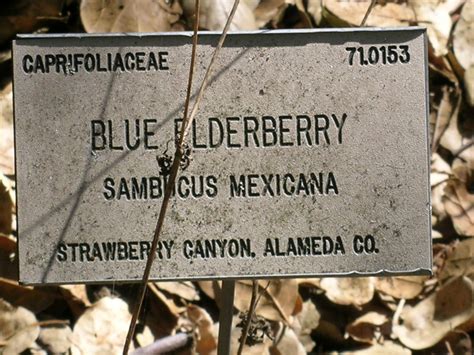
(225, 317)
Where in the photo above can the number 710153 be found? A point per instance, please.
(379, 55)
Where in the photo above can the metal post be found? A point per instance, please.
(225, 317)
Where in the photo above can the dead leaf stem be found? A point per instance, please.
(280, 336)
(398, 312)
(193, 59)
(166, 198)
(448, 348)
(439, 128)
(277, 306)
(187, 120)
(264, 290)
(369, 10)
(252, 307)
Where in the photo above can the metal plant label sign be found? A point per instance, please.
(308, 157)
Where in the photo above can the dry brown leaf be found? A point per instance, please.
(6, 105)
(145, 337)
(288, 343)
(367, 328)
(305, 18)
(206, 340)
(209, 288)
(26, 16)
(444, 67)
(276, 303)
(453, 139)
(346, 291)
(78, 292)
(76, 297)
(6, 131)
(8, 260)
(130, 15)
(102, 328)
(56, 339)
(440, 173)
(161, 313)
(458, 201)
(269, 11)
(36, 349)
(313, 282)
(6, 205)
(34, 299)
(298, 305)
(304, 323)
(460, 261)
(388, 301)
(463, 36)
(343, 13)
(213, 14)
(447, 110)
(406, 287)
(386, 348)
(462, 292)
(432, 319)
(315, 8)
(457, 342)
(469, 84)
(434, 233)
(18, 329)
(169, 303)
(330, 332)
(161, 324)
(436, 18)
(183, 289)
(7, 245)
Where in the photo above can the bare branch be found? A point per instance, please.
(252, 307)
(187, 120)
(369, 10)
(166, 198)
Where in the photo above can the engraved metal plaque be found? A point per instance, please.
(308, 156)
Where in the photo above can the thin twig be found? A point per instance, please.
(369, 10)
(398, 312)
(440, 130)
(193, 58)
(166, 198)
(463, 148)
(280, 336)
(264, 290)
(449, 348)
(252, 307)
(47, 323)
(187, 123)
(450, 177)
(175, 167)
(278, 307)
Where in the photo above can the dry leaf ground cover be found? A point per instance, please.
(399, 315)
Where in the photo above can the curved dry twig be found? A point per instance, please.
(187, 120)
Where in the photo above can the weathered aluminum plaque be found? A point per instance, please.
(308, 156)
